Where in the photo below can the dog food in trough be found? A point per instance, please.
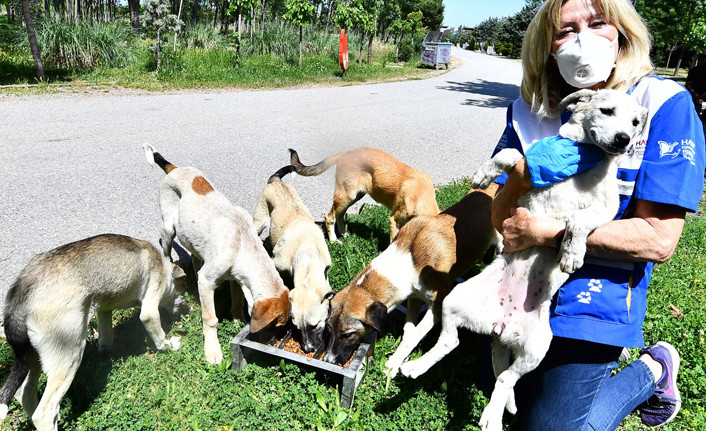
(245, 348)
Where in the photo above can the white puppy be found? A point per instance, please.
(511, 297)
(300, 254)
(222, 239)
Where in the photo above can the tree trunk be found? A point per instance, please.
(181, 3)
(33, 41)
(159, 49)
(362, 43)
(330, 14)
(301, 38)
(194, 12)
(262, 18)
(134, 6)
(370, 47)
(681, 56)
(669, 57)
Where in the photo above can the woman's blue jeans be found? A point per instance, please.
(574, 389)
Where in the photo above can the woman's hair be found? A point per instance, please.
(542, 82)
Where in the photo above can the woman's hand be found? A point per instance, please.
(520, 228)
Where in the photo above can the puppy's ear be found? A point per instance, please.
(177, 272)
(376, 316)
(570, 101)
(270, 312)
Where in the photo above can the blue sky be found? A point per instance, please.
(472, 12)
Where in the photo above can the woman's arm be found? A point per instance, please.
(652, 234)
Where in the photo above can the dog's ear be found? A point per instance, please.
(329, 296)
(270, 312)
(177, 272)
(570, 101)
(376, 316)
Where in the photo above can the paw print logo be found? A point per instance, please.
(584, 297)
(595, 285)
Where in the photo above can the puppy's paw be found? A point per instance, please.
(214, 356)
(570, 263)
(391, 369)
(488, 424)
(485, 175)
(510, 405)
(174, 343)
(413, 369)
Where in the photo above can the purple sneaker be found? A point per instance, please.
(665, 403)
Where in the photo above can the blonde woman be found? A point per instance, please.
(597, 44)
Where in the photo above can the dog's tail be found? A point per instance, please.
(277, 176)
(154, 158)
(16, 333)
(310, 171)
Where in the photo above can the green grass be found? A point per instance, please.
(86, 56)
(137, 388)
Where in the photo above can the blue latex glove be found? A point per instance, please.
(553, 159)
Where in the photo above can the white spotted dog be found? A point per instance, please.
(224, 246)
(300, 254)
(511, 298)
(50, 304)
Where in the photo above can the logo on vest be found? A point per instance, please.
(686, 148)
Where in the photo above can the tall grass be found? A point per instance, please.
(282, 40)
(203, 36)
(79, 45)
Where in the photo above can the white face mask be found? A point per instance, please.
(586, 60)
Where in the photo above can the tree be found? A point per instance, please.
(158, 19)
(672, 23)
(38, 65)
(300, 13)
(486, 30)
(512, 29)
(432, 10)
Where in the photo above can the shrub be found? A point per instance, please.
(69, 44)
(203, 36)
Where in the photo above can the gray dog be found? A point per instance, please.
(50, 304)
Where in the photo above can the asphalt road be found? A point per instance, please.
(73, 166)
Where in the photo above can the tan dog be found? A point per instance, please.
(222, 238)
(50, 304)
(406, 191)
(423, 262)
(299, 252)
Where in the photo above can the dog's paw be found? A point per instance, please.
(482, 178)
(174, 343)
(570, 262)
(412, 369)
(490, 424)
(214, 356)
(510, 406)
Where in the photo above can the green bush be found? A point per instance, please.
(78, 45)
(203, 36)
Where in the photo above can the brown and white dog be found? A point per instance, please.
(300, 254)
(422, 263)
(406, 191)
(222, 239)
(50, 304)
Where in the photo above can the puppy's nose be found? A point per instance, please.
(621, 140)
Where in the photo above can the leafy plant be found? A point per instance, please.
(157, 19)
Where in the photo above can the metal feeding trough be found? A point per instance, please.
(246, 349)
